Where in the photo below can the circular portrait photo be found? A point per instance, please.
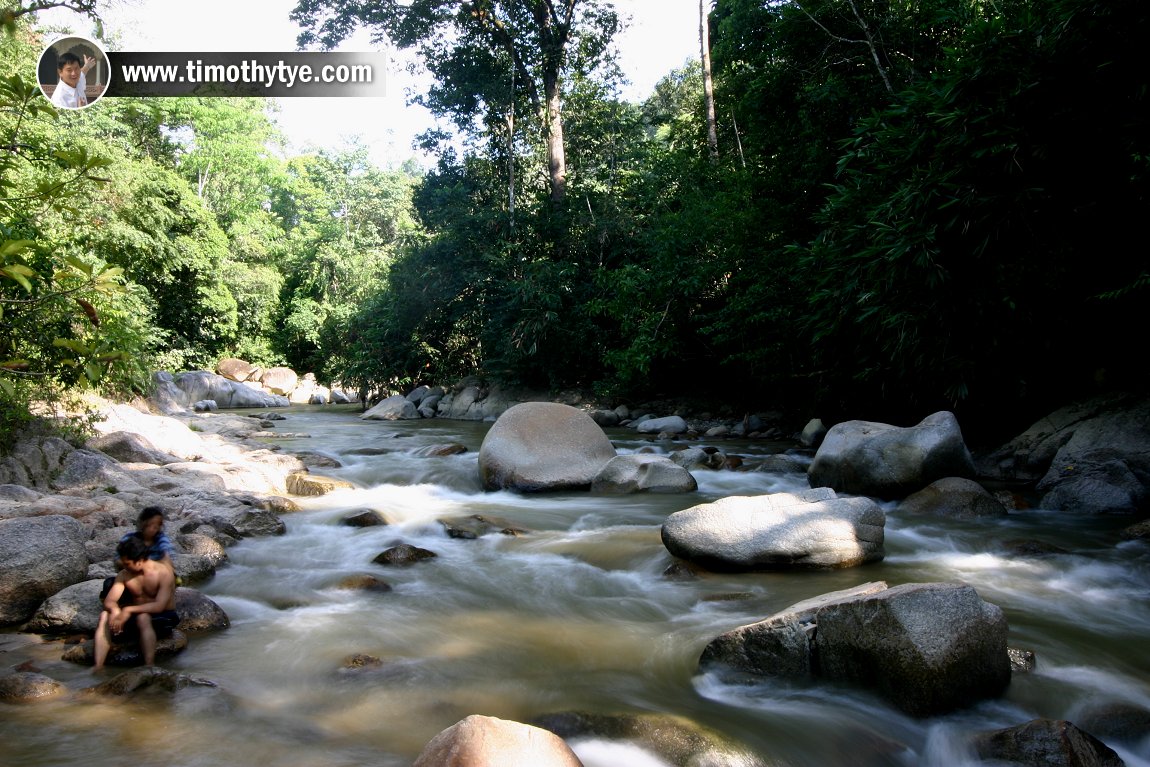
(73, 72)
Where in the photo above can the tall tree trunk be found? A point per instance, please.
(708, 85)
(556, 155)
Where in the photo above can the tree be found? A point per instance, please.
(486, 55)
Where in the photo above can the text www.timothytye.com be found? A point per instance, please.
(247, 72)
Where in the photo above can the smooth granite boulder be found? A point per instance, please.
(540, 446)
(877, 459)
(814, 529)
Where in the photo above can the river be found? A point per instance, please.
(573, 615)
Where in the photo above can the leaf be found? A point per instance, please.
(79, 347)
(20, 274)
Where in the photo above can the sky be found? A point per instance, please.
(662, 35)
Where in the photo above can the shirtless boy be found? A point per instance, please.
(142, 600)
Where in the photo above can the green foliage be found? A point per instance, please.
(950, 263)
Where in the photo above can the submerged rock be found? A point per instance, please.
(1045, 742)
(141, 679)
(28, 687)
(403, 555)
(673, 739)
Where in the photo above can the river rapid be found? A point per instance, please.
(574, 615)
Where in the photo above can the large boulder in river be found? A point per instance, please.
(810, 530)
(196, 385)
(637, 473)
(1091, 456)
(395, 408)
(539, 446)
(867, 458)
(76, 610)
(671, 424)
(38, 557)
(927, 648)
(280, 380)
(484, 741)
(236, 369)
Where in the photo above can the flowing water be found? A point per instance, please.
(573, 615)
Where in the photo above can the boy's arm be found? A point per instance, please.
(112, 600)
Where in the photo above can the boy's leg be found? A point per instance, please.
(103, 641)
(147, 638)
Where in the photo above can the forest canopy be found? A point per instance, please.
(912, 206)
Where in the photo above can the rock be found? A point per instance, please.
(19, 494)
(38, 557)
(235, 369)
(672, 424)
(361, 661)
(866, 458)
(28, 687)
(364, 583)
(539, 446)
(953, 497)
(484, 741)
(642, 473)
(1021, 661)
(780, 463)
(127, 654)
(1030, 547)
(691, 458)
(128, 447)
(314, 460)
(810, 530)
(417, 395)
(673, 739)
(1117, 721)
(441, 451)
(76, 610)
(1045, 742)
(206, 406)
(338, 397)
(365, 518)
(198, 613)
(403, 555)
(197, 385)
(312, 484)
(136, 680)
(202, 547)
(928, 648)
(396, 408)
(251, 523)
(280, 380)
(72, 610)
(88, 470)
(477, 526)
(1091, 456)
(605, 418)
(1139, 531)
(813, 433)
(780, 645)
